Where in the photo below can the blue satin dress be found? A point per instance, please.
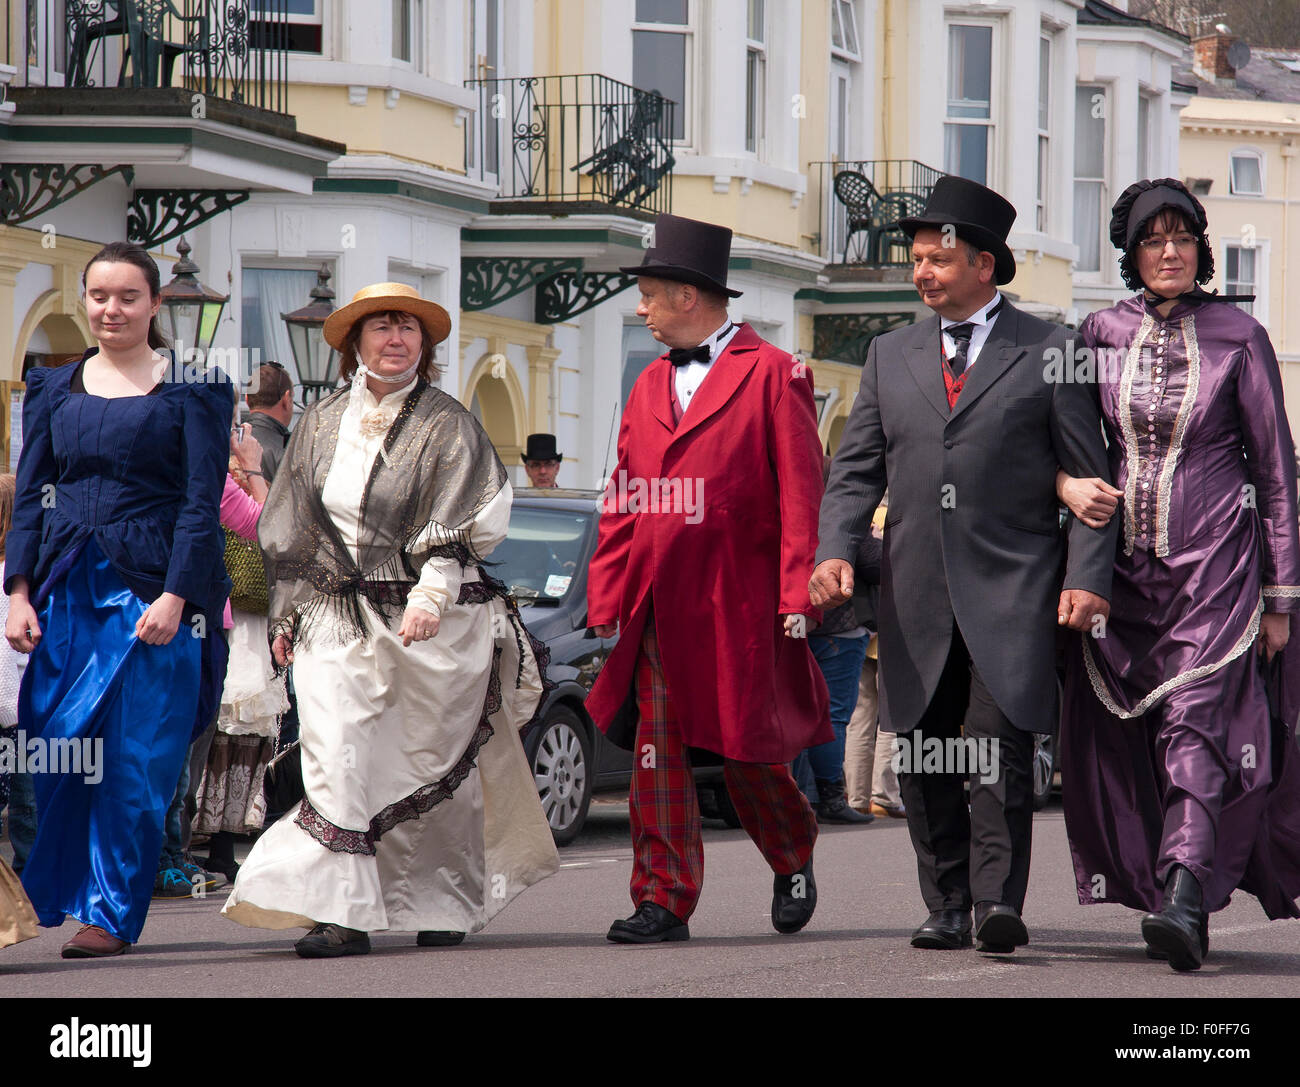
(117, 502)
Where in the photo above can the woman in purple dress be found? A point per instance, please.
(1177, 788)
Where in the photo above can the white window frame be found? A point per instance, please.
(686, 107)
(992, 175)
(1043, 145)
(840, 8)
(1259, 309)
(1244, 153)
(417, 30)
(1100, 273)
(756, 86)
(1145, 147)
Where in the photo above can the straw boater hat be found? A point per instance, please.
(381, 298)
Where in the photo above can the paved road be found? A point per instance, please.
(550, 941)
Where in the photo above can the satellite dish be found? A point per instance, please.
(1239, 55)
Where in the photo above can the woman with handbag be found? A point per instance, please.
(413, 671)
(229, 799)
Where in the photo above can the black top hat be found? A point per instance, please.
(977, 214)
(688, 251)
(541, 447)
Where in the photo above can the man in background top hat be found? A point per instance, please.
(706, 543)
(541, 461)
(956, 417)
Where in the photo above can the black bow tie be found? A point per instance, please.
(680, 356)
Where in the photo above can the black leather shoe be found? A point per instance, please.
(651, 924)
(998, 928)
(833, 805)
(438, 939)
(793, 900)
(332, 942)
(1180, 930)
(944, 930)
(1160, 956)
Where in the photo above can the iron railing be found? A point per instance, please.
(586, 141)
(229, 49)
(861, 203)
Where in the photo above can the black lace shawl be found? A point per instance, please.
(421, 500)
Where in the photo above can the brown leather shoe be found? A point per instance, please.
(888, 810)
(93, 942)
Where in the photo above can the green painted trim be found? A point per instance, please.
(771, 268)
(376, 186)
(820, 294)
(568, 235)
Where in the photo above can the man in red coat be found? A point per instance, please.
(707, 537)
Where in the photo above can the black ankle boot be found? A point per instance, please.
(832, 807)
(1179, 930)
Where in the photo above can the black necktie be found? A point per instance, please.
(961, 337)
(680, 356)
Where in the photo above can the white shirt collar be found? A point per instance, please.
(719, 339)
(979, 317)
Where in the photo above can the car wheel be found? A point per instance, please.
(1044, 766)
(560, 753)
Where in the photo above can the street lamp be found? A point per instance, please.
(190, 311)
(316, 361)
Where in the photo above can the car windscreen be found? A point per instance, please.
(539, 557)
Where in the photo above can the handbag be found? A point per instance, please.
(282, 785)
(244, 565)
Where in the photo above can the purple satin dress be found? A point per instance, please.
(1168, 752)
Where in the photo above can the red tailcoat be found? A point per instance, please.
(747, 454)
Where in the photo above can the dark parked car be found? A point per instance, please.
(544, 562)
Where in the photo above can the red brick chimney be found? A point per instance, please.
(1210, 58)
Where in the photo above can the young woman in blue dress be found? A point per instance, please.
(115, 579)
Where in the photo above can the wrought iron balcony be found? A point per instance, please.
(232, 50)
(582, 142)
(861, 203)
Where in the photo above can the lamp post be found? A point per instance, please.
(316, 361)
(190, 311)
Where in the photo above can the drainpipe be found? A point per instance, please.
(1288, 153)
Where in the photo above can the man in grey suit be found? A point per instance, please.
(956, 415)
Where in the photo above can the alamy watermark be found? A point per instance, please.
(636, 494)
(915, 753)
(83, 755)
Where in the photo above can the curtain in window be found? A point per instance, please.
(267, 293)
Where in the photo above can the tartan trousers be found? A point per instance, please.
(668, 850)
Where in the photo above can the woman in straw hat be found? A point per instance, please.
(413, 671)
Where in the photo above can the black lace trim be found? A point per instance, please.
(340, 840)
(476, 592)
(386, 594)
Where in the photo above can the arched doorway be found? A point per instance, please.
(496, 400)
